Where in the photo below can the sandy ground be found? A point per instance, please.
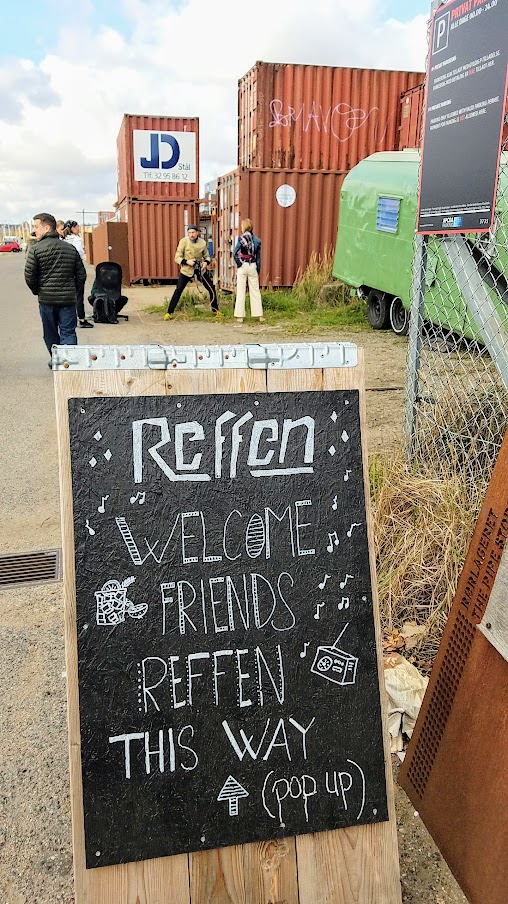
(35, 824)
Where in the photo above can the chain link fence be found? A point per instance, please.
(457, 392)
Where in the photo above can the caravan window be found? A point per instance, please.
(388, 215)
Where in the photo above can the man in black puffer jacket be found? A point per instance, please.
(55, 272)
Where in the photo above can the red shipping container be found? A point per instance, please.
(135, 142)
(411, 118)
(155, 228)
(105, 215)
(318, 117)
(294, 213)
(109, 241)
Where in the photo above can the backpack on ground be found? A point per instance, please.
(104, 310)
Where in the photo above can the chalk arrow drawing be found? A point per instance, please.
(232, 791)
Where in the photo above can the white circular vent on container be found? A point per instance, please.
(285, 195)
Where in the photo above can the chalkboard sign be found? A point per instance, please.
(228, 678)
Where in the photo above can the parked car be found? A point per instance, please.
(10, 246)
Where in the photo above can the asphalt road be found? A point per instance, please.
(29, 501)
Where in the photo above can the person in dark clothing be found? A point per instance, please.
(71, 235)
(193, 259)
(55, 273)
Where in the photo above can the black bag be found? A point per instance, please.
(104, 310)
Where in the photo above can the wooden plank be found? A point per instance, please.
(354, 865)
(218, 876)
(161, 881)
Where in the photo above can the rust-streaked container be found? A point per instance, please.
(88, 246)
(155, 189)
(155, 228)
(110, 244)
(318, 117)
(293, 212)
(411, 118)
(105, 215)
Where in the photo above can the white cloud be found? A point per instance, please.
(60, 122)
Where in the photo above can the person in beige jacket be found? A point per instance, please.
(193, 259)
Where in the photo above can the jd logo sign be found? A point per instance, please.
(157, 139)
(164, 156)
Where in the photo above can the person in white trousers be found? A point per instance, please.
(247, 255)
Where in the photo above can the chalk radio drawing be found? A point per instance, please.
(113, 604)
(334, 664)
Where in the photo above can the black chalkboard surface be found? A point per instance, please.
(228, 680)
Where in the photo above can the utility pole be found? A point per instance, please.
(83, 212)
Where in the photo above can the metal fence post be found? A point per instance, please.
(415, 342)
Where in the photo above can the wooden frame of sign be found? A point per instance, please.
(353, 865)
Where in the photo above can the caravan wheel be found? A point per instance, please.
(378, 310)
(399, 318)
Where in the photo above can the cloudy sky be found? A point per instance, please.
(69, 70)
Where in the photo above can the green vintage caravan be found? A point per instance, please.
(375, 241)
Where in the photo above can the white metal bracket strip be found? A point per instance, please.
(205, 357)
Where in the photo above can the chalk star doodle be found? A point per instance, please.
(113, 604)
(232, 791)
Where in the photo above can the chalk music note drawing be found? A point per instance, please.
(89, 528)
(318, 607)
(335, 665)
(140, 496)
(355, 524)
(113, 604)
(102, 508)
(346, 579)
(346, 475)
(322, 585)
(344, 603)
(333, 541)
(335, 504)
(304, 651)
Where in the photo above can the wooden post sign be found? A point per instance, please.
(222, 623)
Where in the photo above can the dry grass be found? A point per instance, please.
(464, 431)
(422, 529)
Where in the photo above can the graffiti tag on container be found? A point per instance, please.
(341, 120)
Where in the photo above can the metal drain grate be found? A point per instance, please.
(43, 566)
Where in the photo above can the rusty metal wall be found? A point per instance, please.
(155, 228)
(128, 187)
(110, 243)
(411, 115)
(289, 234)
(318, 117)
